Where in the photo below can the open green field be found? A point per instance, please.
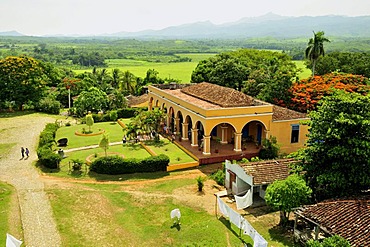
(138, 214)
(181, 70)
(305, 72)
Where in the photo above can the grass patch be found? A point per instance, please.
(5, 148)
(169, 186)
(6, 192)
(100, 217)
(305, 72)
(114, 132)
(176, 155)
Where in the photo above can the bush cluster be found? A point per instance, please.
(45, 152)
(117, 165)
(121, 113)
(48, 105)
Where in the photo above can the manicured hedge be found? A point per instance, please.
(46, 156)
(117, 165)
(121, 113)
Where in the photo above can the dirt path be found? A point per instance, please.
(38, 224)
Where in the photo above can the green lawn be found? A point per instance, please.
(305, 72)
(139, 215)
(113, 130)
(109, 216)
(5, 197)
(176, 155)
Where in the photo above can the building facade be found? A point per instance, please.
(206, 113)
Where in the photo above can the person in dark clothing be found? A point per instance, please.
(27, 152)
(22, 152)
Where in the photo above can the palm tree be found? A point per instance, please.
(315, 48)
(128, 82)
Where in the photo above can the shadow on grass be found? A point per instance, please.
(227, 223)
(46, 169)
(282, 235)
(258, 211)
(124, 177)
(15, 114)
(177, 226)
(157, 144)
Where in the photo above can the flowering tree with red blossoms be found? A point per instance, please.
(306, 93)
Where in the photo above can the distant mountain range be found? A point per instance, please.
(10, 33)
(269, 25)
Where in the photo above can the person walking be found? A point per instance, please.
(22, 152)
(27, 152)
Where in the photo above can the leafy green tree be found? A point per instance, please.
(116, 100)
(337, 158)
(89, 121)
(315, 48)
(347, 62)
(285, 195)
(104, 143)
(144, 123)
(89, 59)
(22, 80)
(92, 100)
(263, 74)
(333, 241)
(152, 77)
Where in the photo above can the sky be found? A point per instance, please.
(94, 17)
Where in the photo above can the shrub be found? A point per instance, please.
(270, 148)
(126, 112)
(117, 165)
(45, 153)
(200, 183)
(48, 105)
(77, 164)
(219, 177)
(113, 115)
(48, 158)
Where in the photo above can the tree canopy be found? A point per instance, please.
(266, 75)
(22, 79)
(284, 195)
(308, 92)
(337, 157)
(347, 62)
(92, 100)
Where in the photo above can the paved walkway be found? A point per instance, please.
(38, 224)
(89, 147)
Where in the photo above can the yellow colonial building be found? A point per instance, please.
(205, 113)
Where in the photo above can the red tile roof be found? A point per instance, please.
(215, 94)
(349, 219)
(281, 113)
(211, 96)
(266, 172)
